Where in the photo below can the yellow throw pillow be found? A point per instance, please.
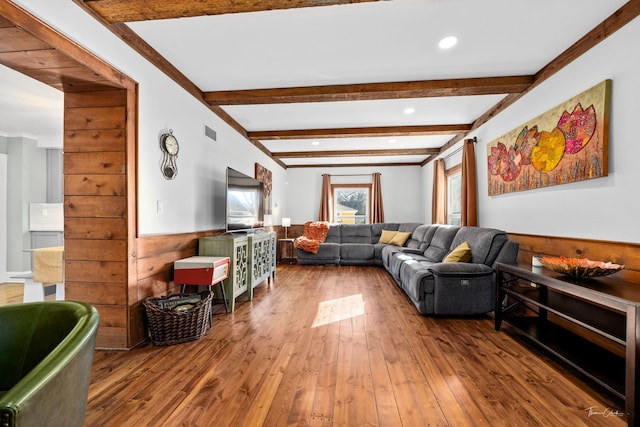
(460, 254)
(386, 236)
(400, 238)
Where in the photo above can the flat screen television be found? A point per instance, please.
(244, 202)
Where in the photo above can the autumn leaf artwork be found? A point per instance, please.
(566, 144)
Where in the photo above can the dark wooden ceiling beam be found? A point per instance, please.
(352, 165)
(628, 12)
(144, 10)
(456, 87)
(136, 42)
(373, 91)
(270, 135)
(613, 23)
(358, 153)
(25, 46)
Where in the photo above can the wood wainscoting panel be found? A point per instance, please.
(149, 246)
(296, 230)
(155, 257)
(156, 285)
(596, 250)
(153, 265)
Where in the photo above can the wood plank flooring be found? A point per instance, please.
(329, 346)
(11, 293)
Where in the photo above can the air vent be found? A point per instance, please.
(210, 133)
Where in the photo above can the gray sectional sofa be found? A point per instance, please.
(434, 287)
(352, 244)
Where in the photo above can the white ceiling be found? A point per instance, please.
(381, 41)
(30, 108)
(384, 41)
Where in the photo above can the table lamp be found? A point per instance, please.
(286, 223)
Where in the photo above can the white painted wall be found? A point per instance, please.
(603, 208)
(3, 217)
(26, 183)
(194, 200)
(427, 190)
(400, 191)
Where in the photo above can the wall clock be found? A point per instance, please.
(170, 147)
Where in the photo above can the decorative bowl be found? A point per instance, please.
(580, 267)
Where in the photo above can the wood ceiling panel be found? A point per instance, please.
(143, 10)
(55, 69)
(91, 86)
(4, 22)
(14, 39)
(36, 59)
(76, 74)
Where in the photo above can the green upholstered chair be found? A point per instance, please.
(46, 353)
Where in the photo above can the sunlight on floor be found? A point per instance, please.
(338, 309)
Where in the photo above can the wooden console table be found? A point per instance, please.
(593, 325)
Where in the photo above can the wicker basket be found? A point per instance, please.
(168, 326)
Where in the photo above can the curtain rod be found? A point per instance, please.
(453, 153)
(352, 174)
(459, 149)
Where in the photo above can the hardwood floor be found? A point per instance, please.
(328, 346)
(11, 293)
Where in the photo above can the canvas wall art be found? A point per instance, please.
(566, 144)
(264, 175)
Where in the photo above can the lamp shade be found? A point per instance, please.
(286, 222)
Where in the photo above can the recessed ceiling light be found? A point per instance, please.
(315, 143)
(448, 42)
(409, 110)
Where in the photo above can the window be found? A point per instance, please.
(454, 195)
(351, 203)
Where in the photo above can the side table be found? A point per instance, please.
(202, 271)
(592, 325)
(286, 251)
